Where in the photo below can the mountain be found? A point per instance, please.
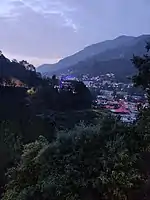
(121, 48)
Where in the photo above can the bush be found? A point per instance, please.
(80, 163)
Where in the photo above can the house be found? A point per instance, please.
(120, 110)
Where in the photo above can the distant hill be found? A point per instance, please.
(107, 56)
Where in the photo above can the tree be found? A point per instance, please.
(79, 163)
(31, 68)
(27, 65)
(142, 80)
(83, 97)
(55, 81)
(15, 61)
(10, 149)
(107, 159)
(142, 64)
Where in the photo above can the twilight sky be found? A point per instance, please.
(43, 31)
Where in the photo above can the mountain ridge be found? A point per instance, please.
(106, 50)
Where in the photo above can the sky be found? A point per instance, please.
(45, 31)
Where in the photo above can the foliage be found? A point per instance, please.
(143, 65)
(142, 80)
(12, 141)
(76, 96)
(80, 161)
(100, 161)
(10, 149)
(42, 93)
(21, 71)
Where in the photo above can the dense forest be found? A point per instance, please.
(54, 146)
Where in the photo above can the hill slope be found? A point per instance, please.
(122, 47)
(12, 70)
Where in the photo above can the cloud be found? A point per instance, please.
(12, 8)
(36, 28)
(52, 29)
(5, 9)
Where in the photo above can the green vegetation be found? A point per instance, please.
(79, 162)
(32, 105)
(100, 158)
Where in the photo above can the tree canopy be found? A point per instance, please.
(108, 160)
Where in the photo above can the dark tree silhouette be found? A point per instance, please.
(142, 79)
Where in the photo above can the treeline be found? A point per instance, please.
(12, 72)
(47, 92)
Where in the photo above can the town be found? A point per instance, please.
(121, 99)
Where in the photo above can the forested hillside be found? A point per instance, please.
(14, 72)
(54, 146)
(32, 105)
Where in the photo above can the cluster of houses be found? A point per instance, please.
(121, 99)
(127, 110)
